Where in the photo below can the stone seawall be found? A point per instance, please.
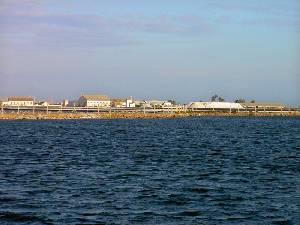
(133, 115)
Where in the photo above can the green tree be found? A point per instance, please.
(214, 98)
(241, 100)
(221, 99)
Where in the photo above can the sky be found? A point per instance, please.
(160, 49)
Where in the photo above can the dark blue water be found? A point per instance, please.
(162, 171)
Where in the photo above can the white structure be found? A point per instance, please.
(19, 101)
(263, 105)
(142, 103)
(167, 104)
(159, 103)
(130, 103)
(44, 103)
(3, 102)
(156, 103)
(118, 103)
(214, 105)
(94, 101)
(65, 102)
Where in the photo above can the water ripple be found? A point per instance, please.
(161, 171)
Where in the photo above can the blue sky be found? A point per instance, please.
(185, 50)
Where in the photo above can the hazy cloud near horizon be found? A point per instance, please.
(158, 49)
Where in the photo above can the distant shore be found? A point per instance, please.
(129, 115)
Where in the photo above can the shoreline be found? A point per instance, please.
(133, 115)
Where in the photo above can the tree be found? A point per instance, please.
(214, 98)
(252, 101)
(173, 102)
(241, 100)
(221, 99)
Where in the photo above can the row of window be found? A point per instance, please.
(20, 103)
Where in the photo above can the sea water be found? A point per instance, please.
(206, 170)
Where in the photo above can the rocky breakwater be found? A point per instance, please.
(129, 115)
(102, 115)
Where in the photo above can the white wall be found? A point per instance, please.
(20, 103)
(215, 105)
(91, 103)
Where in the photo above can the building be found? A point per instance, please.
(130, 103)
(44, 103)
(156, 103)
(142, 103)
(123, 103)
(118, 102)
(167, 104)
(94, 101)
(65, 102)
(214, 105)
(3, 102)
(160, 104)
(20, 101)
(266, 106)
(48, 103)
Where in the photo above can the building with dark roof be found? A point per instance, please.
(20, 101)
(94, 101)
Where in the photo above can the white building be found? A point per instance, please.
(3, 102)
(141, 103)
(159, 103)
(167, 104)
(130, 103)
(118, 103)
(44, 103)
(214, 105)
(156, 102)
(94, 101)
(20, 101)
(65, 102)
